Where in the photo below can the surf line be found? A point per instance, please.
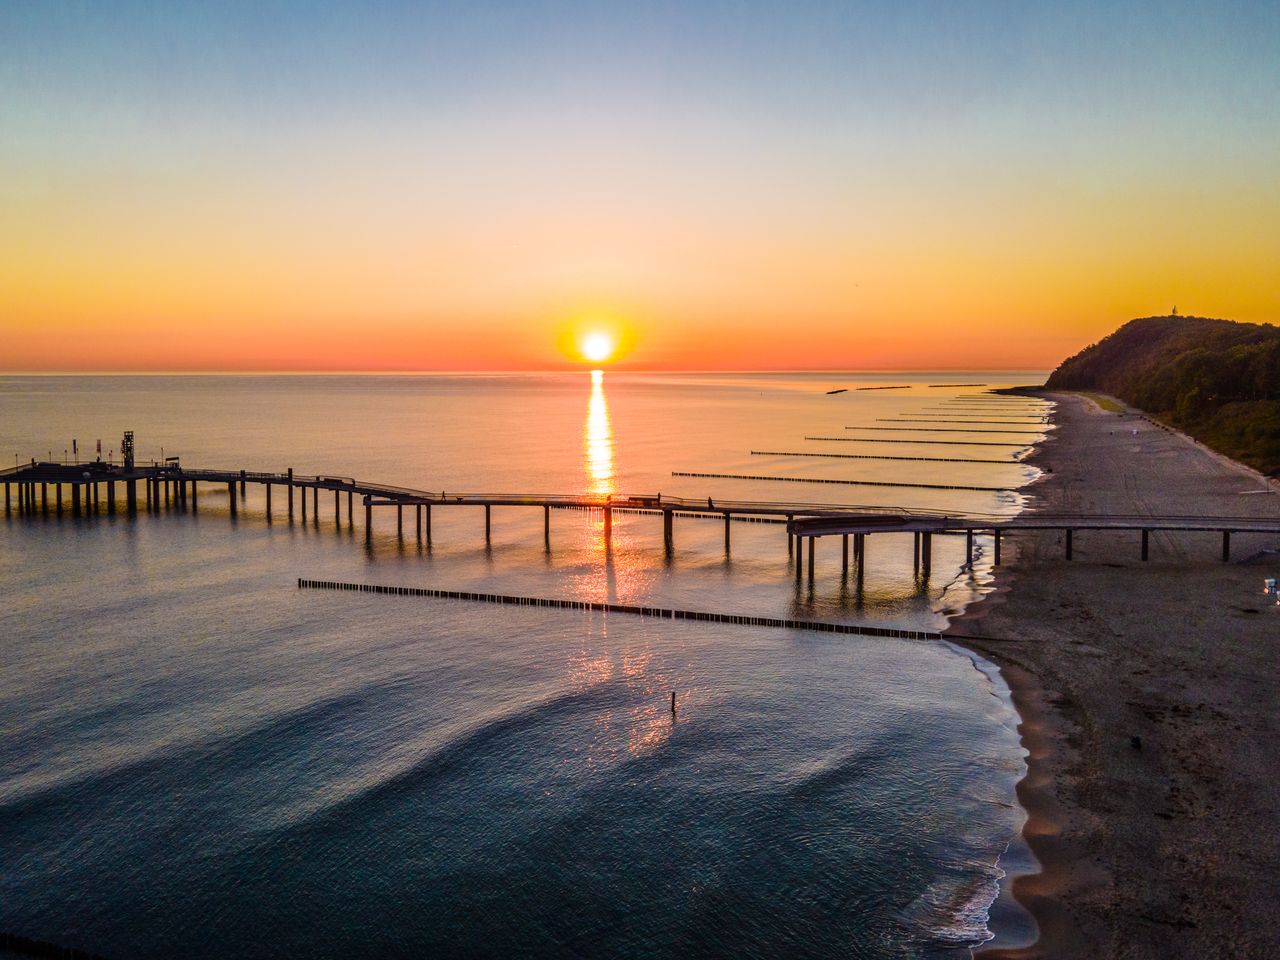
(875, 456)
(660, 613)
(850, 483)
(950, 443)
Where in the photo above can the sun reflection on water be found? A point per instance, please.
(597, 439)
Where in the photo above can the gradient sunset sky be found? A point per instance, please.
(311, 186)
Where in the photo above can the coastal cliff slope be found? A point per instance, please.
(1216, 380)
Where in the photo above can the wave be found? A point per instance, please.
(450, 756)
(224, 749)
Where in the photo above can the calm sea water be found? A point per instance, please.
(199, 760)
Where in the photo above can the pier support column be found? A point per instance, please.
(351, 520)
(167, 493)
(1146, 536)
(488, 525)
(926, 554)
(844, 555)
(996, 536)
(111, 497)
(75, 500)
(790, 539)
(302, 495)
(400, 520)
(546, 526)
(968, 548)
(726, 535)
(315, 504)
(231, 497)
(291, 494)
(368, 519)
(146, 481)
(812, 541)
(427, 519)
(7, 495)
(268, 503)
(337, 508)
(44, 498)
(195, 496)
(417, 524)
(608, 523)
(131, 497)
(57, 498)
(799, 559)
(915, 552)
(1226, 546)
(862, 553)
(668, 535)
(242, 485)
(1068, 532)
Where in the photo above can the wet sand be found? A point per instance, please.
(1166, 845)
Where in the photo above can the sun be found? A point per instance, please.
(597, 347)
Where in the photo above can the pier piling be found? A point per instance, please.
(268, 486)
(487, 522)
(290, 494)
(1068, 532)
(1146, 536)
(231, 496)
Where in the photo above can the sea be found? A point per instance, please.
(200, 760)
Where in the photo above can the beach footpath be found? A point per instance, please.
(1148, 692)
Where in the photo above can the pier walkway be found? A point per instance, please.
(91, 488)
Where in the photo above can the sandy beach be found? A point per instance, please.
(1147, 692)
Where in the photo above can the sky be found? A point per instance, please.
(473, 186)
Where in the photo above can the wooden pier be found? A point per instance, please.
(90, 489)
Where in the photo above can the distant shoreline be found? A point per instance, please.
(1127, 760)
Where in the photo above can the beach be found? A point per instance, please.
(1147, 692)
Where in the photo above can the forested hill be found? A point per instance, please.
(1215, 379)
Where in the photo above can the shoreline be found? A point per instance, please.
(1133, 690)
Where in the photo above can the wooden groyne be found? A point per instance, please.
(946, 443)
(847, 483)
(598, 606)
(876, 456)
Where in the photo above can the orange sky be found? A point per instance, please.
(175, 199)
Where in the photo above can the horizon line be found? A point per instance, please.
(508, 372)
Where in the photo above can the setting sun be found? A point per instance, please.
(597, 347)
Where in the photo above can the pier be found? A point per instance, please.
(90, 489)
